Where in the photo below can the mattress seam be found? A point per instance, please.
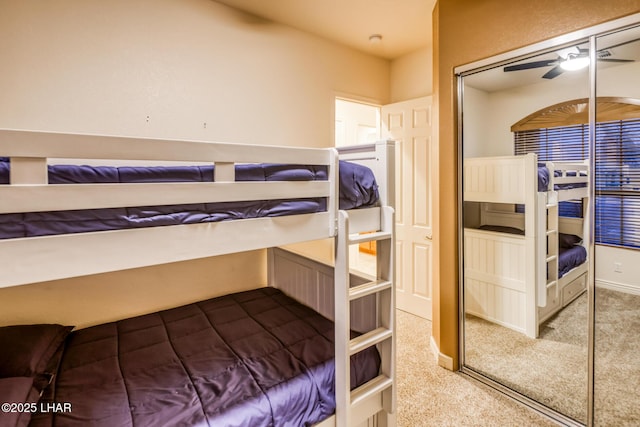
(195, 389)
(240, 359)
(124, 383)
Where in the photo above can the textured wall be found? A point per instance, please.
(163, 68)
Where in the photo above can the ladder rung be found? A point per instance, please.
(368, 237)
(368, 289)
(369, 339)
(551, 205)
(550, 232)
(376, 385)
(552, 258)
(550, 284)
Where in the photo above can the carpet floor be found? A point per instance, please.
(429, 395)
(552, 369)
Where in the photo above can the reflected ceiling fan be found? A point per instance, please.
(573, 58)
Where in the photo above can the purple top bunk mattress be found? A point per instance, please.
(358, 188)
(543, 180)
(255, 358)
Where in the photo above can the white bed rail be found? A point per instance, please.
(34, 144)
(34, 259)
(571, 177)
(568, 173)
(29, 190)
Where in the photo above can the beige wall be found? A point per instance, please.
(101, 66)
(412, 75)
(466, 31)
(90, 300)
(164, 68)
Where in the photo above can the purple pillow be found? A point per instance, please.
(568, 240)
(17, 391)
(26, 350)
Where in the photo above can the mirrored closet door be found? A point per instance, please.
(550, 224)
(525, 324)
(617, 231)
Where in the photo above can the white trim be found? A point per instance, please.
(441, 359)
(615, 286)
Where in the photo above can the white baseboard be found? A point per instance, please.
(441, 359)
(619, 287)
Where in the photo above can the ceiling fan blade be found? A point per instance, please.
(553, 73)
(615, 60)
(530, 65)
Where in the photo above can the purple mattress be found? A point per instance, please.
(358, 188)
(569, 258)
(543, 181)
(255, 358)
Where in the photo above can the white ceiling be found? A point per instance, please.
(405, 25)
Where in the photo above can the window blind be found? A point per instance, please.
(617, 176)
(617, 173)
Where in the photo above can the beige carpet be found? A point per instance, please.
(429, 395)
(617, 359)
(552, 369)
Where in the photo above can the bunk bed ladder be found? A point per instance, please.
(379, 393)
(548, 250)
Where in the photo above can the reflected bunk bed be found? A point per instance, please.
(259, 357)
(522, 268)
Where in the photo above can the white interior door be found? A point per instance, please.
(409, 124)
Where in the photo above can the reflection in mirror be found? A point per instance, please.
(617, 231)
(524, 145)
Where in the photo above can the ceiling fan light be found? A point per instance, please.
(572, 64)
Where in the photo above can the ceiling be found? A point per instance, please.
(405, 25)
(622, 45)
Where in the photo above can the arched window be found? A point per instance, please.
(561, 132)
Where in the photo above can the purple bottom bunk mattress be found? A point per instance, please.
(255, 358)
(358, 188)
(570, 258)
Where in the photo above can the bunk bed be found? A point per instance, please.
(260, 357)
(522, 268)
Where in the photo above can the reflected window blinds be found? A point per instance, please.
(617, 174)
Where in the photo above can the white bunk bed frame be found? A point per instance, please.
(37, 259)
(506, 280)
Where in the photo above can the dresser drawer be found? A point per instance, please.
(574, 289)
